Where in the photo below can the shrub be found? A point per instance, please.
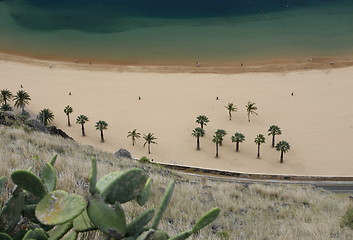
(347, 219)
(144, 159)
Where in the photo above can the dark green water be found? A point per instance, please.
(174, 32)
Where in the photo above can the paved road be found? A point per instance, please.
(332, 186)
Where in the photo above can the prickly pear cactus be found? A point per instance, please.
(59, 207)
(29, 182)
(2, 183)
(122, 186)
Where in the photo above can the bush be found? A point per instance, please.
(144, 159)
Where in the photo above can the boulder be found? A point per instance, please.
(123, 153)
(57, 131)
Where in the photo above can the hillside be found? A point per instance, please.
(248, 211)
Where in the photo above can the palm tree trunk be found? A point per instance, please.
(230, 115)
(248, 117)
(133, 141)
(216, 150)
(83, 130)
(281, 160)
(102, 137)
(149, 149)
(68, 120)
(258, 150)
(237, 147)
(273, 140)
(23, 109)
(198, 143)
(201, 125)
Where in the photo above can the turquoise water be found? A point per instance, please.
(174, 32)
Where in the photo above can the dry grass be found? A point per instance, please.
(248, 211)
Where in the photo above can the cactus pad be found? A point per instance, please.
(29, 182)
(142, 198)
(107, 219)
(206, 219)
(59, 207)
(11, 213)
(136, 226)
(82, 223)
(38, 234)
(122, 186)
(4, 236)
(49, 177)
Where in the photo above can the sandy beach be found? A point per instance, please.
(315, 121)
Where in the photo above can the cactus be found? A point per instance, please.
(83, 223)
(53, 160)
(107, 219)
(11, 213)
(144, 195)
(139, 223)
(93, 177)
(4, 236)
(122, 187)
(2, 183)
(29, 182)
(49, 177)
(60, 231)
(166, 199)
(71, 214)
(59, 207)
(37, 234)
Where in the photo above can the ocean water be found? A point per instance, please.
(177, 31)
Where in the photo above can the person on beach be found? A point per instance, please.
(139, 98)
(21, 86)
(292, 94)
(69, 93)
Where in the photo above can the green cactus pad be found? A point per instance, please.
(160, 235)
(107, 219)
(93, 177)
(122, 186)
(136, 226)
(11, 213)
(60, 231)
(165, 202)
(4, 236)
(59, 207)
(83, 223)
(182, 236)
(29, 182)
(206, 219)
(142, 198)
(53, 160)
(37, 234)
(49, 177)
(147, 235)
(2, 183)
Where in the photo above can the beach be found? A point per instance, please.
(314, 121)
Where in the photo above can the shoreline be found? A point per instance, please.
(270, 66)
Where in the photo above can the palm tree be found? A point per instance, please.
(237, 138)
(45, 116)
(231, 108)
(197, 133)
(258, 140)
(149, 138)
(101, 125)
(274, 130)
(5, 95)
(68, 110)
(21, 98)
(221, 134)
(134, 135)
(5, 107)
(250, 108)
(216, 139)
(202, 120)
(284, 147)
(82, 119)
